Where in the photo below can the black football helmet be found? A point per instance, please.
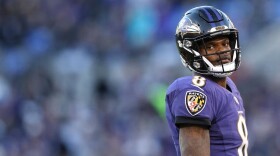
(198, 26)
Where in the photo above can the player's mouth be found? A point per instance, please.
(224, 61)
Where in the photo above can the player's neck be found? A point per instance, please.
(220, 81)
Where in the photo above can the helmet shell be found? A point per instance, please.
(199, 25)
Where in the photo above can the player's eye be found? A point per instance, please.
(210, 47)
(226, 43)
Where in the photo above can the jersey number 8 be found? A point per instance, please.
(242, 130)
(199, 81)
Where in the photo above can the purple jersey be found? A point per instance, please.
(195, 100)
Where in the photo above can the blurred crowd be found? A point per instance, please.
(88, 77)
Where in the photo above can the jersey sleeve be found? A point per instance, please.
(193, 106)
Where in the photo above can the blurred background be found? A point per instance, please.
(88, 77)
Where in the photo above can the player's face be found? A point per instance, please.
(217, 50)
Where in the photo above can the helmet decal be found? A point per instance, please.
(187, 26)
(218, 28)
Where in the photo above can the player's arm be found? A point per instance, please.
(194, 141)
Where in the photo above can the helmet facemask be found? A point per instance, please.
(199, 63)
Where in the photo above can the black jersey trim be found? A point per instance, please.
(182, 121)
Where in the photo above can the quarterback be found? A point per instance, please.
(205, 111)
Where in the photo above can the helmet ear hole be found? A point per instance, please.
(197, 65)
(187, 43)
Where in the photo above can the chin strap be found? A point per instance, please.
(222, 75)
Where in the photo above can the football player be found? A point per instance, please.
(205, 111)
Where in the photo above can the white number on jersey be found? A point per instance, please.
(199, 81)
(242, 130)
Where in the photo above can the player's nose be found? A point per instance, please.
(225, 57)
